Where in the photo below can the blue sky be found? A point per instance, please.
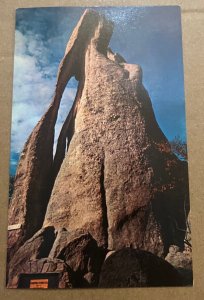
(148, 36)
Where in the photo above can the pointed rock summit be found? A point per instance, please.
(114, 176)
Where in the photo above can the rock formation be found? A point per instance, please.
(136, 268)
(182, 261)
(114, 176)
(74, 253)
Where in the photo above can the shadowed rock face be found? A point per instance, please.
(136, 268)
(118, 178)
(58, 251)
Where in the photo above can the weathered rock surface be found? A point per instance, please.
(36, 171)
(179, 259)
(136, 268)
(79, 251)
(119, 178)
(182, 261)
(43, 266)
(37, 247)
(114, 181)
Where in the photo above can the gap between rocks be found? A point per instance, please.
(104, 204)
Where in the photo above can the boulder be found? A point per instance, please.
(81, 253)
(37, 247)
(182, 261)
(43, 266)
(135, 268)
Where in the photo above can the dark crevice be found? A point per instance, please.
(172, 220)
(48, 241)
(105, 224)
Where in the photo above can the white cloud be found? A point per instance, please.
(33, 87)
(20, 43)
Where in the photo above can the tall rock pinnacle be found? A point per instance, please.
(114, 174)
(36, 170)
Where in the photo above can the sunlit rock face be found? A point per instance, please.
(114, 175)
(119, 179)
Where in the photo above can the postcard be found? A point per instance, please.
(99, 192)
